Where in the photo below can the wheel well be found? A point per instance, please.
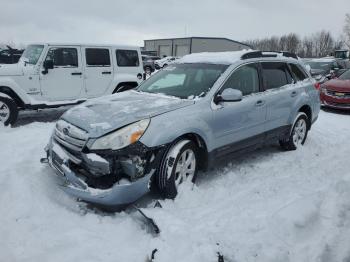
(127, 85)
(307, 110)
(8, 91)
(203, 151)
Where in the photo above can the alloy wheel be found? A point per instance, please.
(4, 112)
(299, 132)
(185, 167)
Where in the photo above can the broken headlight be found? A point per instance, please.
(122, 137)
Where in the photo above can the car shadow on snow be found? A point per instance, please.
(221, 167)
(336, 111)
(234, 162)
(43, 116)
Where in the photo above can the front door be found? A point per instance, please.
(65, 80)
(241, 123)
(98, 70)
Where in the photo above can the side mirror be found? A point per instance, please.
(48, 64)
(229, 95)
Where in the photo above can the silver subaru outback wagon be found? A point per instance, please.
(112, 150)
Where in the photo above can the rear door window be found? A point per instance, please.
(298, 73)
(275, 75)
(128, 58)
(97, 57)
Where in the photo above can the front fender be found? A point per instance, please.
(11, 84)
(166, 128)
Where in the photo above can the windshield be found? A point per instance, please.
(184, 80)
(345, 75)
(341, 54)
(320, 65)
(32, 53)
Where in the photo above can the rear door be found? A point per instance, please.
(280, 94)
(240, 124)
(98, 70)
(65, 80)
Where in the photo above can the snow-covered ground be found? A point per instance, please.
(267, 206)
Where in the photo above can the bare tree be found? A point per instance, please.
(319, 44)
(308, 47)
(346, 30)
(324, 43)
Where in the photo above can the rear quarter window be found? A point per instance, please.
(127, 58)
(298, 73)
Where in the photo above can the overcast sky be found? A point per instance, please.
(131, 21)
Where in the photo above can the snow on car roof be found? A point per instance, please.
(214, 57)
(225, 58)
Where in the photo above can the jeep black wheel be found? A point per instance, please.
(8, 111)
(148, 70)
(298, 134)
(122, 88)
(179, 164)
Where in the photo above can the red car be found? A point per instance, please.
(336, 92)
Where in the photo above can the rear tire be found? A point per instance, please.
(180, 163)
(298, 134)
(8, 111)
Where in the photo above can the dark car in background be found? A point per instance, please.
(148, 63)
(325, 68)
(336, 92)
(10, 55)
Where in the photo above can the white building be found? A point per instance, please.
(188, 45)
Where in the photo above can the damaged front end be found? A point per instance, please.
(108, 178)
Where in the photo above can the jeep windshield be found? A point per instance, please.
(32, 53)
(184, 80)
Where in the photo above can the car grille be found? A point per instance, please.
(345, 95)
(70, 136)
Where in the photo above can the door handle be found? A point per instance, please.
(260, 103)
(76, 73)
(294, 93)
(106, 73)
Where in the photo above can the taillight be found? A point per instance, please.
(317, 85)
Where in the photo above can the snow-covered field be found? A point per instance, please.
(267, 206)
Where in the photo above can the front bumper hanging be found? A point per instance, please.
(116, 196)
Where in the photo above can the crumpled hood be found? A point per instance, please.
(10, 70)
(105, 114)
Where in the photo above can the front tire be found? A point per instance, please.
(179, 164)
(8, 111)
(298, 134)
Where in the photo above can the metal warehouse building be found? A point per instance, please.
(188, 45)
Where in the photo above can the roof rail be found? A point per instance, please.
(257, 54)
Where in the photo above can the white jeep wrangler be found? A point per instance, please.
(53, 75)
